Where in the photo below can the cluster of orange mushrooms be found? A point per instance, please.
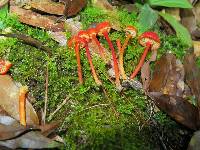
(150, 40)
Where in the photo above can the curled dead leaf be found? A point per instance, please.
(192, 75)
(168, 76)
(177, 108)
(9, 94)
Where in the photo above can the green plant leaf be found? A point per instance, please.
(147, 18)
(171, 3)
(182, 33)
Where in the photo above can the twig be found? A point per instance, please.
(58, 108)
(46, 94)
(94, 106)
(30, 41)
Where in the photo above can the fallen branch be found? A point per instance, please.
(30, 41)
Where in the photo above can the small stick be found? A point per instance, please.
(58, 108)
(46, 94)
(30, 41)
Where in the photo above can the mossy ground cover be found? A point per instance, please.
(93, 117)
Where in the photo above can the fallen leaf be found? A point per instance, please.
(72, 7)
(73, 25)
(59, 37)
(31, 140)
(103, 4)
(13, 135)
(47, 129)
(9, 93)
(178, 108)
(48, 7)
(37, 20)
(192, 75)
(10, 128)
(168, 76)
(146, 72)
(189, 21)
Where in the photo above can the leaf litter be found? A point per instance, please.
(12, 134)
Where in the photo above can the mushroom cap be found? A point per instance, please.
(81, 41)
(150, 37)
(103, 27)
(131, 30)
(4, 66)
(92, 32)
(84, 35)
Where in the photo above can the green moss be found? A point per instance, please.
(93, 117)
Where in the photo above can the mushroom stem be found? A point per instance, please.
(22, 104)
(141, 62)
(121, 61)
(78, 59)
(116, 69)
(101, 50)
(126, 43)
(98, 82)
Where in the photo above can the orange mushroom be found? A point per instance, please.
(130, 33)
(92, 32)
(151, 41)
(22, 104)
(4, 66)
(77, 41)
(84, 39)
(103, 29)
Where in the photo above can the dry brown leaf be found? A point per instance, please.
(59, 37)
(73, 6)
(190, 18)
(9, 93)
(10, 128)
(168, 76)
(47, 129)
(48, 7)
(37, 20)
(103, 4)
(192, 75)
(178, 108)
(30, 140)
(145, 71)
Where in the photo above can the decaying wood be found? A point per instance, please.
(30, 41)
(37, 20)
